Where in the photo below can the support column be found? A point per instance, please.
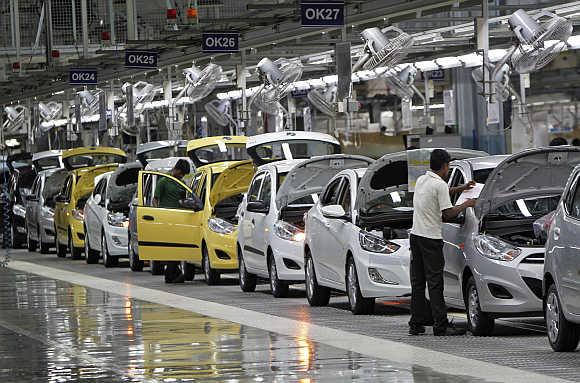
(85, 26)
(48, 32)
(15, 13)
(112, 21)
(131, 20)
(172, 133)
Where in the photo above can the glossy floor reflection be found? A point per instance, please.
(52, 331)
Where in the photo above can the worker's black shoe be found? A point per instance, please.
(449, 331)
(416, 329)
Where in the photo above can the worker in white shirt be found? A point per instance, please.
(431, 205)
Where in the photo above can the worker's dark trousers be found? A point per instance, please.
(427, 263)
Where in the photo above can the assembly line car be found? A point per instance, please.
(493, 260)
(157, 150)
(357, 234)
(40, 209)
(107, 215)
(561, 282)
(83, 165)
(22, 175)
(271, 222)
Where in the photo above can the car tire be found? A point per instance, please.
(75, 252)
(188, 271)
(60, 249)
(562, 334)
(157, 267)
(247, 280)
(478, 322)
(359, 305)
(212, 277)
(279, 288)
(44, 246)
(317, 295)
(30, 244)
(135, 264)
(108, 260)
(91, 256)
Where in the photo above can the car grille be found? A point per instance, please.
(537, 258)
(222, 254)
(535, 285)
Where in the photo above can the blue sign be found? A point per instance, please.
(299, 93)
(223, 42)
(140, 59)
(435, 75)
(322, 13)
(82, 76)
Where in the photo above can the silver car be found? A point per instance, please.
(493, 260)
(562, 270)
(40, 209)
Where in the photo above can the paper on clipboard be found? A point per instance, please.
(470, 194)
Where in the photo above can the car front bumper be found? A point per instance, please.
(384, 275)
(521, 279)
(289, 257)
(46, 229)
(78, 233)
(117, 240)
(222, 250)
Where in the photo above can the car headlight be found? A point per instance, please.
(495, 248)
(78, 214)
(19, 210)
(288, 231)
(118, 220)
(375, 244)
(47, 212)
(220, 226)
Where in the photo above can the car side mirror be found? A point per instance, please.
(258, 207)
(97, 198)
(61, 198)
(333, 211)
(192, 203)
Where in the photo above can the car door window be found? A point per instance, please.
(36, 187)
(574, 201)
(254, 191)
(148, 181)
(344, 198)
(196, 179)
(457, 178)
(155, 181)
(266, 190)
(67, 188)
(330, 196)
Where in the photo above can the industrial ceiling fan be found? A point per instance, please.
(200, 82)
(220, 113)
(381, 50)
(142, 93)
(49, 111)
(15, 119)
(323, 101)
(89, 102)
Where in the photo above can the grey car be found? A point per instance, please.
(562, 270)
(493, 260)
(40, 209)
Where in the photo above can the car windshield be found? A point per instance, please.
(220, 153)
(297, 149)
(94, 160)
(527, 207)
(480, 175)
(396, 199)
(52, 187)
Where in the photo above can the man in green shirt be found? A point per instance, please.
(168, 194)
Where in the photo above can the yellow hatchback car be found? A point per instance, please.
(202, 233)
(83, 165)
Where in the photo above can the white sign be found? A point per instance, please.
(449, 107)
(418, 163)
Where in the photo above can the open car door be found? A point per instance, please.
(165, 234)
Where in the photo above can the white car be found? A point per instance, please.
(357, 234)
(271, 222)
(106, 215)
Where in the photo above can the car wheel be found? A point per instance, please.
(358, 304)
(157, 268)
(75, 252)
(188, 271)
(108, 260)
(279, 288)
(248, 281)
(212, 277)
(44, 246)
(134, 262)
(563, 335)
(60, 249)
(91, 256)
(478, 322)
(317, 295)
(30, 244)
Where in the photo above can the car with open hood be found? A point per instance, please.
(157, 150)
(357, 234)
(22, 175)
(40, 208)
(271, 218)
(194, 234)
(83, 165)
(493, 259)
(107, 215)
(561, 281)
(49, 159)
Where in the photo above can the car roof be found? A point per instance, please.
(289, 135)
(488, 162)
(153, 145)
(283, 166)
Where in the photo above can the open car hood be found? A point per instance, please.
(233, 180)
(310, 177)
(123, 184)
(145, 155)
(50, 159)
(390, 172)
(69, 157)
(271, 147)
(531, 173)
(19, 160)
(86, 178)
(212, 150)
